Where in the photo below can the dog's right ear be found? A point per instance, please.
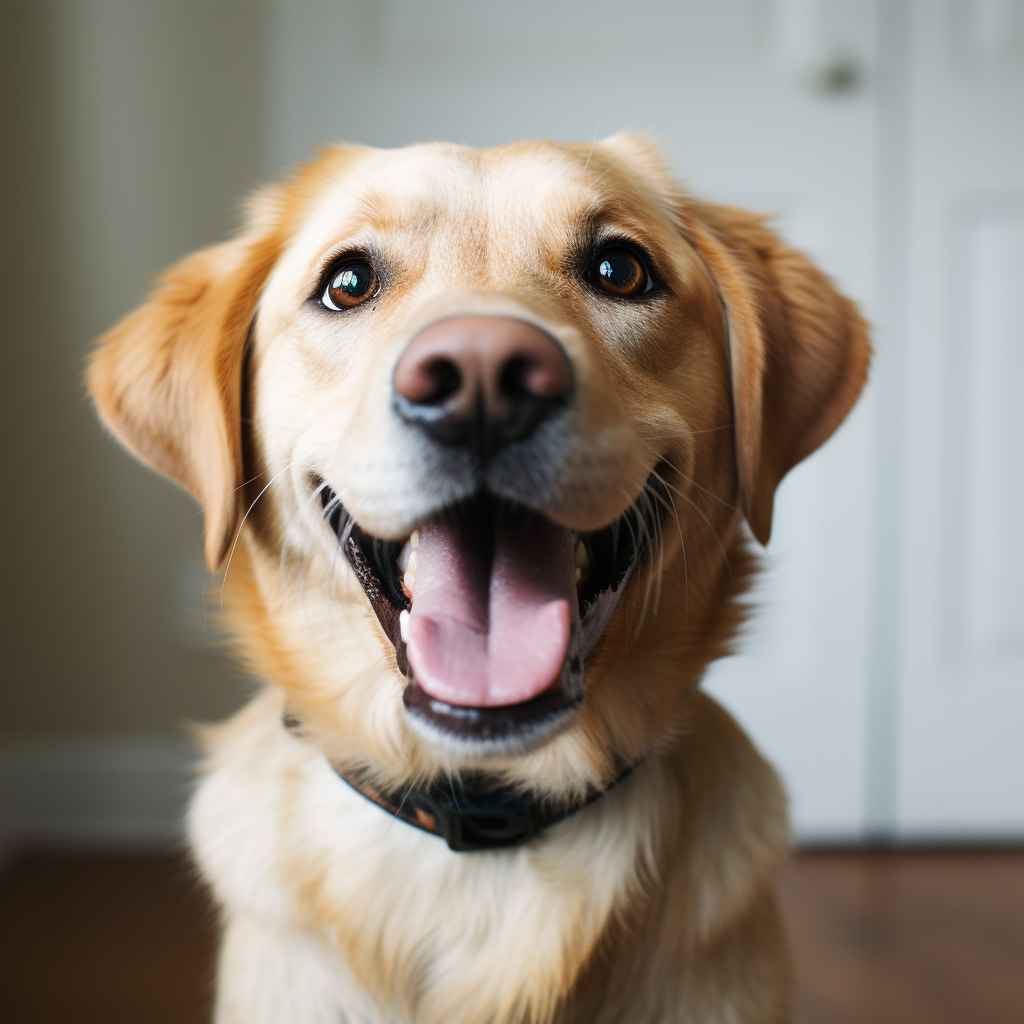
(167, 380)
(798, 349)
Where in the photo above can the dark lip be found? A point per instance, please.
(614, 552)
(513, 726)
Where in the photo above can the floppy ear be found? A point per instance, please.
(167, 379)
(798, 350)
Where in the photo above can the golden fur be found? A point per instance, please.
(655, 903)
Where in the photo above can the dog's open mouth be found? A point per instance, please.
(493, 609)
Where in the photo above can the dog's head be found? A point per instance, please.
(486, 422)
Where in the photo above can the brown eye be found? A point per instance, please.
(350, 282)
(619, 271)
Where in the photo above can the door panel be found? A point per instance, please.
(961, 736)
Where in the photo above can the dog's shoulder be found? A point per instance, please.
(735, 831)
(706, 922)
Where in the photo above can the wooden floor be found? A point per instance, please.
(879, 938)
(907, 938)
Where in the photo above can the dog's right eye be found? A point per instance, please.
(621, 272)
(349, 282)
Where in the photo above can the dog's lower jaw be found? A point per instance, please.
(493, 732)
(373, 915)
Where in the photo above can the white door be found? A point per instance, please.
(960, 742)
(753, 109)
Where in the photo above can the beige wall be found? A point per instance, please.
(132, 131)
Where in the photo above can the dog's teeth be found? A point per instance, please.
(410, 573)
(403, 625)
(407, 556)
(406, 552)
(407, 564)
(581, 558)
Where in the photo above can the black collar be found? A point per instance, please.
(471, 815)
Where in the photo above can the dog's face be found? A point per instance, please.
(476, 365)
(493, 415)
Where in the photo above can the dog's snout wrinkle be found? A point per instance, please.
(481, 382)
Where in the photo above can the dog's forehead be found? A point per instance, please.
(523, 182)
(521, 192)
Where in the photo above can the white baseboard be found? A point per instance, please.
(104, 793)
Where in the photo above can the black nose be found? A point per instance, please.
(481, 382)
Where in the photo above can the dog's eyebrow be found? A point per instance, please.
(607, 217)
(601, 229)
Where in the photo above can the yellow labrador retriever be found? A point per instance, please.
(475, 433)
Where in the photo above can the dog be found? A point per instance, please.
(476, 433)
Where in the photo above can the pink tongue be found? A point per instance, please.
(475, 641)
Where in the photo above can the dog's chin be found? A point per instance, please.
(493, 610)
(505, 729)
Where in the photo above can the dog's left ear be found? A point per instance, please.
(798, 350)
(167, 380)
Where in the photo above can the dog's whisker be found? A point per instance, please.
(597, 130)
(640, 520)
(310, 499)
(371, 194)
(302, 563)
(238, 532)
(652, 590)
(220, 501)
(686, 588)
(609, 168)
(668, 501)
(711, 528)
(712, 430)
(694, 483)
(682, 494)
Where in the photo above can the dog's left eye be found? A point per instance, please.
(349, 282)
(620, 271)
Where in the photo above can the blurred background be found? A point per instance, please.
(884, 672)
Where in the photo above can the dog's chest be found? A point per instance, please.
(442, 935)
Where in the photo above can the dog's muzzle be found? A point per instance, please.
(493, 608)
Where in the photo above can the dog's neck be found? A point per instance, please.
(472, 815)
